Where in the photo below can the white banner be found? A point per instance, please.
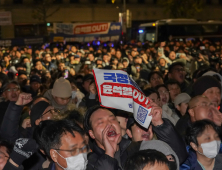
(117, 90)
(5, 18)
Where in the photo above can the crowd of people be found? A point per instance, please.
(51, 117)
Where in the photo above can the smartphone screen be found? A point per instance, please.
(66, 74)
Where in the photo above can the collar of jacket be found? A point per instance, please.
(124, 143)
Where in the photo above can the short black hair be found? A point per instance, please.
(150, 91)
(159, 86)
(7, 145)
(49, 133)
(144, 158)
(171, 67)
(154, 72)
(86, 123)
(171, 82)
(197, 129)
(21, 72)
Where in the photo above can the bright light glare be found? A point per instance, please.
(140, 31)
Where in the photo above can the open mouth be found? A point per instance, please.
(111, 133)
(164, 100)
(146, 136)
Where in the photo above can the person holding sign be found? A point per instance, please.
(110, 150)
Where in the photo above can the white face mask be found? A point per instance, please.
(75, 162)
(211, 149)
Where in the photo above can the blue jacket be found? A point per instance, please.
(191, 162)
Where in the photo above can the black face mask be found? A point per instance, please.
(173, 165)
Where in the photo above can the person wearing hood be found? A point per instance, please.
(147, 160)
(165, 149)
(60, 95)
(210, 87)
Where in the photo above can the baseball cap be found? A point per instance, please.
(35, 78)
(181, 98)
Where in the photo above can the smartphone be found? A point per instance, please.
(66, 74)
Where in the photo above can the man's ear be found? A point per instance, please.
(29, 112)
(53, 155)
(178, 107)
(129, 133)
(193, 145)
(42, 151)
(91, 134)
(191, 112)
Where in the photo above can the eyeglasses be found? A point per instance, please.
(13, 89)
(76, 151)
(179, 69)
(52, 112)
(204, 104)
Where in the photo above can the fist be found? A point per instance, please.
(23, 99)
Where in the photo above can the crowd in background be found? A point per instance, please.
(51, 118)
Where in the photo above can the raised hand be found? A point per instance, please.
(23, 99)
(156, 113)
(110, 146)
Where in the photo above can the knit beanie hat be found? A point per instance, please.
(62, 88)
(203, 83)
(37, 110)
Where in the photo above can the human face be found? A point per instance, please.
(156, 166)
(154, 97)
(38, 65)
(162, 62)
(22, 78)
(91, 57)
(99, 120)
(73, 49)
(4, 156)
(35, 86)
(182, 108)
(164, 95)
(138, 133)
(118, 54)
(48, 58)
(208, 135)
(178, 73)
(213, 95)
(62, 101)
(11, 93)
(70, 146)
(156, 80)
(61, 66)
(201, 110)
(86, 84)
(174, 90)
(172, 55)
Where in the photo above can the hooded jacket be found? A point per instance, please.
(161, 147)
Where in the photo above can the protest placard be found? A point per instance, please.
(116, 89)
